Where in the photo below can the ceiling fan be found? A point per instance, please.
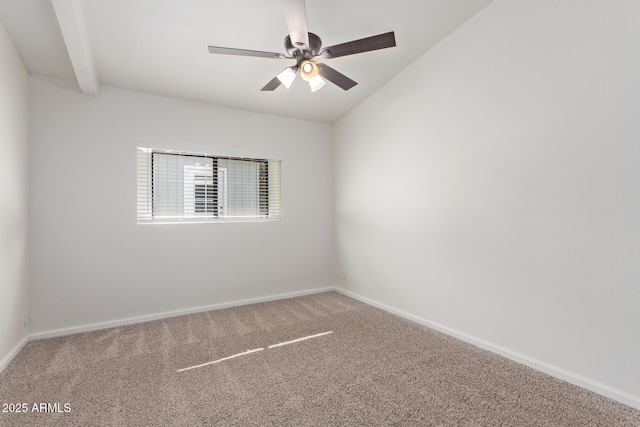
(304, 47)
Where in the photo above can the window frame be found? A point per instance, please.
(220, 214)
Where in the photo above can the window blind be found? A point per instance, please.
(175, 186)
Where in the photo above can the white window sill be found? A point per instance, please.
(205, 221)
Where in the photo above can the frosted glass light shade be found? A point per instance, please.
(308, 70)
(286, 77)
(316, 83)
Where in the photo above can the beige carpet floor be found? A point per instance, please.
(373, 369)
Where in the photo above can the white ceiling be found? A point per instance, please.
(160, 46)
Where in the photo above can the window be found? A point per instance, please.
(190, 187)
(204, 194)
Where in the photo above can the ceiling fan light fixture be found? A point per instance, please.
(317, 83)
(286, 77)
(308, 70)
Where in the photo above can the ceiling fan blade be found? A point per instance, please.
(272, 85)
(335, 77)
(381, 41)
(295, 14)
(244, 52)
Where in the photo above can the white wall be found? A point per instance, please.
(14, 137)
(493, 188)
(91, 262)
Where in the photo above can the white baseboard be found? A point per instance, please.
(554, 371)
(167, 314)
(15, 350)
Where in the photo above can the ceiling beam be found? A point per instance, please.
(74, 32)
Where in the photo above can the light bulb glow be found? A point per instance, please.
(316, 83)
(286, 77)
(308, 70)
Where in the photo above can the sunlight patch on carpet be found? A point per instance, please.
(221, 360)
(300, 339)
(255, 350)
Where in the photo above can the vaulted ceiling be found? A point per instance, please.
(160, 46)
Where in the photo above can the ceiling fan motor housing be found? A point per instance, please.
(302, 53)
